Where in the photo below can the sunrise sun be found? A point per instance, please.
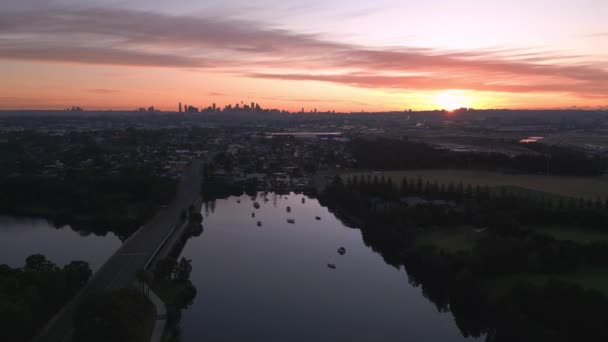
(451, 100)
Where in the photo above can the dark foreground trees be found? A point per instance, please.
(124, 315)
(512, 284)
(171, 281)
(31, 295)
(391, 154)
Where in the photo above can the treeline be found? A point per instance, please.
(123, 315)
(87, 201)
(392, 154)
(481, 306)
(31, 295)
(216, 187)
(480, 205)
(466, 282)
(170, 279)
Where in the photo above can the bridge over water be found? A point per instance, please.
(134, 255)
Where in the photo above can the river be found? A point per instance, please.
(272, 282)
(22, 237)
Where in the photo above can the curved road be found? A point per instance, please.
(121, 269)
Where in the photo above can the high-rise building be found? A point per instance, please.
(180, 107)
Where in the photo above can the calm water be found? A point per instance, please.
(22, 237)
(272, 283)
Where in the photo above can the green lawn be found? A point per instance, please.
(586, 187)
(576, 234)
(448, 239)
(594, 279)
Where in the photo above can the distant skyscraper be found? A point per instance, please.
(180, 107)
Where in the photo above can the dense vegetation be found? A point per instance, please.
(171, 281)
(118, 203)
(124, 315)
(216, 187)
(472, 283)
(31, 295)
(97, 182)
(403, 154)
(475, 205)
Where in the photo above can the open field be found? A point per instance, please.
(574, 234)
(585, 187)
(451, 240)
(591, 278)
(463, 238)
(581, 140)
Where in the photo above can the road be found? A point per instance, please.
(121, 269)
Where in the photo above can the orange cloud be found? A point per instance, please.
(106, 36)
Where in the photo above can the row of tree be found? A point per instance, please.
(118, 203)
(475, 284)
(479, 204)
(32, 294)
(392, 154)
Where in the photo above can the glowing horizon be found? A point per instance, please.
(331, 55)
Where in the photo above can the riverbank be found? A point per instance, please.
(589, 188)
(453, 263)
(249, 274)
(87, 203)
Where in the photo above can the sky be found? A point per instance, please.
(342, 55)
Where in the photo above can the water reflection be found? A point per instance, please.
(21, 237)
(272, 283)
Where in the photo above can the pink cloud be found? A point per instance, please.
(125, 37)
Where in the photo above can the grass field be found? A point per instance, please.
(578, 140)
(450, 239)
(593, 279)
(575, 234)
(463, 239)
(585, 187)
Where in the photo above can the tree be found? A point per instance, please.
(164, 268)
(124, 315)
(404, 186)
(427, 188)
(30, 296)
(183, 269)
(39, 263)
(77, 273)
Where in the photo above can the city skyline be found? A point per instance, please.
(335, 55)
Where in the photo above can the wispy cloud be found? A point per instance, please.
(94, 55)
(104, 91)
(598, 35)
(126, 37)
